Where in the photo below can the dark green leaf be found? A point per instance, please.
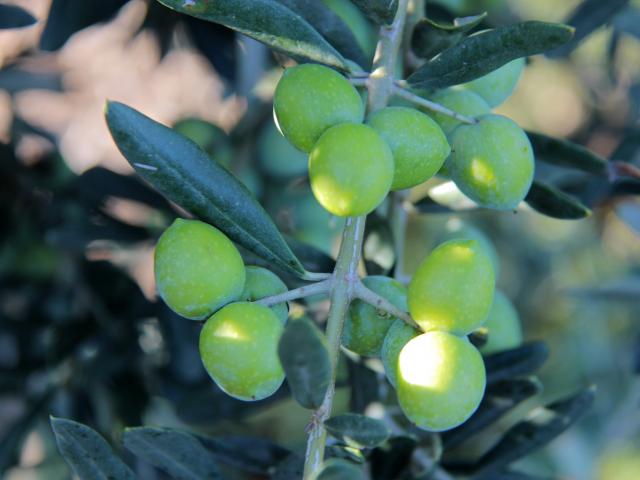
(542, 426)
(392, 458)
(430, 38)
(357, 430)
(629, 148)
(178, 453)
(15, 17)
(87, 453)
(330, 26)
(486, 51)
(269, 22)
(380, 11)
(550, 201)
(347, 453)
(519, 361)
(339, 469)
(628, 21)
(251, 454)
(564, 153)
(587, 17)
(180, 170)
(306, 363)
(291, 468)
(499, 398)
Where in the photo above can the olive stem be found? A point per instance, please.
(380, 303)
(401, 92)
(301, 292)
(316, 277)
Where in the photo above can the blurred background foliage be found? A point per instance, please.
(82, 334)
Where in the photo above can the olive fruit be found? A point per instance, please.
(261, 283)
(497, 86)
(239, 350)
(418, 145)
(397, 337)
(365, 327)
(197, 269)
(455, 229)
(350, 169)
(441, 380)
(452, 289)
(492, 162)
(311, 98)
(503, 326)
(460, 100)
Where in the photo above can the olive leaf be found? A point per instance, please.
(178, 453)
(380, 11)
(486, 51)
(357, 430)
(305, 361)
(15, 17)
(565, 153)
(340, 469)
(269, 22)
(180, 170)
(552, 202)
(87, 453)
(519, 361)
(430, 37)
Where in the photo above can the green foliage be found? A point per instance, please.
(380, 11)
(564, 153)
(555, 203)
(357, 430)
(430, 37)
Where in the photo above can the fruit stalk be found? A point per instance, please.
(345, 276)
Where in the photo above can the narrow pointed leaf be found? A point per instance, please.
(564, 153)
(305, 361)
(250, 454)
(267, 21)
(177, 453)
(430, 38)
(519, 361)
(486, 51)
(15, 17)
(185, 174)
(380, 11)
(357, 430)
(87, 453)
(628, 150)
(587, 17)
(550, 201)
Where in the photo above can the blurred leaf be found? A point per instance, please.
(378, 245)
(15, 17)
(486, 51)
(380, 11)
(339, 469)
(305, 361)
(519, 361)
(430, 37)
(183, 172)
(628, 150)
(291, 468)
(267, 21)
(330, 26)
(499, 398)
(564, 153)
(392, 458)
(587, 17)
(628, 21)
(542, 426)
(178, 453)
(357, 430)
(254, 455)
(627, 289)
(87, 453)
(550, 201)
(364, 385)
(347, 453)
(313, 260)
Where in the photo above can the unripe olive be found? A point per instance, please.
(197, 268)
(492, 162)
(441, 380)
(497, 86)
(397, 337)
(239, 350)
(261, 283)
(350, 169)
(311, 98)
(365, 327)
(457, 229)
(278, 158)
(503, 325)
(418, 145)
(460, 100)
(452, 289)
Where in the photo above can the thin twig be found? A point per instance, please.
(398, 91)
(358, 81)
(372, 298)
(305, 291)
(316, 277)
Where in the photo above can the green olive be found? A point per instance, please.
(365, 327)
(261, 283)
(350, 168)
(418, 145)
(503, 325)
(197, 269)
(492, 162)
(397, 337)
(460, 100)
(239, 350)
(311, 98)
(452, 289)
(497, 86)
(457, 229)
(441, 380)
